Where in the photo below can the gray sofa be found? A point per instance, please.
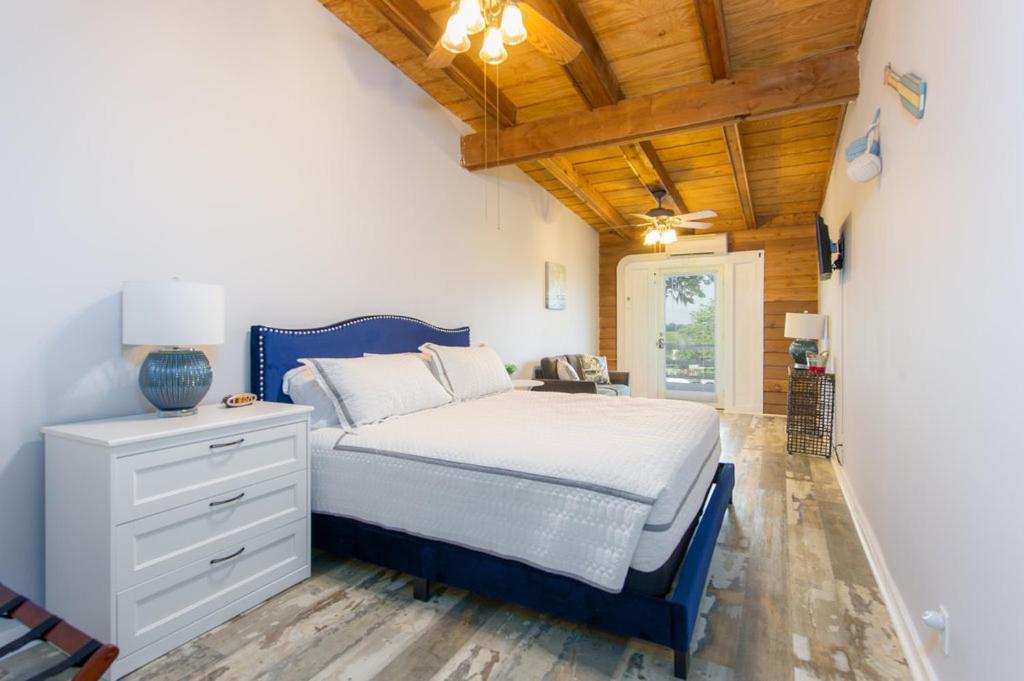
(546, 371)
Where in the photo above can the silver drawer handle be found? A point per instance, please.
(220, 445)
(236, 554)
(227, 501)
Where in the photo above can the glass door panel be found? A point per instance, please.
(690, 336)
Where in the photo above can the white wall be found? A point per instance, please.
(927, 325)
(254, 143)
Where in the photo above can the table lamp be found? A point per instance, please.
(806, 329)
(176, 315)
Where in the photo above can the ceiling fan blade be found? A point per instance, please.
(543, 34)
(695, 225)
(611, 228)
(439, 57)
(699, 215)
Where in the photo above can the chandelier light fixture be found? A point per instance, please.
(501, 21)
(660, 235)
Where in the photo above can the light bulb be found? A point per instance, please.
(472, 17)
(493, 51)
(668, 236)
(455, 38)
(651, 237)
(512, 30)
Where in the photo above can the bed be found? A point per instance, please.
(520, 496)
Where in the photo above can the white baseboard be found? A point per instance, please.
(903, 621)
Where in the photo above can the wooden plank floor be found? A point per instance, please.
(791, 597)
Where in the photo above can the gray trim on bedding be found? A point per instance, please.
(600, 489)
(665, 527)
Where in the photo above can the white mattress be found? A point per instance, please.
(582, 485)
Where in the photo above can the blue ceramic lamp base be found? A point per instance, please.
(799, 348)
(175, 380)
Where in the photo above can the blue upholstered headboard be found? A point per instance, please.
(272, 352)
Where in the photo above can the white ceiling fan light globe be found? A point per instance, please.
(651, 238)
(472, 16)
(513, 31)
(493, 50)
(455, 38)
(669, 236)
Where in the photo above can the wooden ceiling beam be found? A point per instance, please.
(862, 19)
(563, 171)
(643, 160)
(416, 24)
(734, 146)
(823, 80)
(835, 151)
(712, 31)
(590, 72)
(596, 84)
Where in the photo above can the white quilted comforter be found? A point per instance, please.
(562, 482)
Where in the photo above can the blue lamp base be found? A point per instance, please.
(799, 348)
(175, 381)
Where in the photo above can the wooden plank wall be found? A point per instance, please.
(791, 285)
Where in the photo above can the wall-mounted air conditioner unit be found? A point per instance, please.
(700, 244)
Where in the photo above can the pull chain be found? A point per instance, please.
(485, 145)
(497, 134)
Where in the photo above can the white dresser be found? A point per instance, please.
(158, 529)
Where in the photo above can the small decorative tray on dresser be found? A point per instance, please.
(158, 529)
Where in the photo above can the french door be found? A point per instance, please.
(692, 328)
(689, 334)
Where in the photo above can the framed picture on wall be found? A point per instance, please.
(554, 277)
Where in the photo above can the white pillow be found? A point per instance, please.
(469, 372)
(370, 389)
(301, 385)
(566, 371)
(426, 358)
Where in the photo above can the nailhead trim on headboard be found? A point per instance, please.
(334, 327)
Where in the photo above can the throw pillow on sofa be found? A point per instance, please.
(595, 368)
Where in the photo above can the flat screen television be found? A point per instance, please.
(824, 250)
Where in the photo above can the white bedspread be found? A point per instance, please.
(562, 482)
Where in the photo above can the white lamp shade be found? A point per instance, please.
(805, 325)
(172, 312)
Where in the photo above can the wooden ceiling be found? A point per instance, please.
(732, 105)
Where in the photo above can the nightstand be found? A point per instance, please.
(159, 529)
(810, 406)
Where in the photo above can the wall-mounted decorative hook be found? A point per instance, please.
(911, 88)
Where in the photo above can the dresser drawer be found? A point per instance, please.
(161, 606)
(163, 479)
(157, 544)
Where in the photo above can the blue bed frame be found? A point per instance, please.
(666, 620)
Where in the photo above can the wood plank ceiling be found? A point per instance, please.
(751, 169)
(732, 105)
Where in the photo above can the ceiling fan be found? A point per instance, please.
(505, 22)
(661, 223)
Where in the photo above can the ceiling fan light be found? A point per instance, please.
(669, 236)
(471, 15)
(512, 30)
(651, 238)
(493, 50)
(455, 38)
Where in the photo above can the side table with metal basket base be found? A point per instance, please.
(810, 408)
